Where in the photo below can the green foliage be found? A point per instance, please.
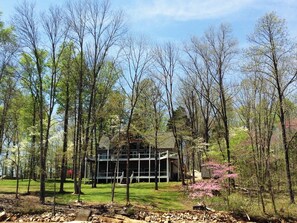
(180, 121)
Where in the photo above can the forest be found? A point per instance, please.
(74, 73)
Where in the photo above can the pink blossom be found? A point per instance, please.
(220, 172)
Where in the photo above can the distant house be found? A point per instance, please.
(142, 159)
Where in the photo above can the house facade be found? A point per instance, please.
(112, 158)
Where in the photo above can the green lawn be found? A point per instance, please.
(170, 196)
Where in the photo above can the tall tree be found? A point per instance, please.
(77, 20)
(8, 50)
(166, 59)
(56, 32)
(257, 101)
(198, 68)
(275, 53)
(27, 29)
(66, 99)
(136, 65)
(218, 50)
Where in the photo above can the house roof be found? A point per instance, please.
(166, 140)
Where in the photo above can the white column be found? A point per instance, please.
(138, 167)
(85, 176)
(107, 163)
(167, 166)
(98, 172)
(149, 175)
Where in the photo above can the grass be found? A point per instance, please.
(169, 196)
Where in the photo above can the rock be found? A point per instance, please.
(3, 215)
(120, 217)
(72, 215)
(200, 207)
(83, 215)
(109, 220)
(129, 220)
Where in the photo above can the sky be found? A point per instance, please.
(179, 20)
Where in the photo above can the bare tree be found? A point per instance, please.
(77, 21)
(105, 27)
(191, 103)
(56, 31)
(257, 109)
(275, 55)
(199, 69)
(166, 59)
(27, 28)
(137, 61)
(216, 51)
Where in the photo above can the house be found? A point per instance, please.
(112, 158)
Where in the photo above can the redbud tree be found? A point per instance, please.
(220, 173)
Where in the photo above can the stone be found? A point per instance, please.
(83, 215)
(129, 220)
(120, 217)
(109, 220)
(2, 215)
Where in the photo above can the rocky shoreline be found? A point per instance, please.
(28, 209)
(123, 215)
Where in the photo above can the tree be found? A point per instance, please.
(95, 29)
(77, 20)
(275, 56)
(105, 27)
(137, 61)
(222, 48)
(8, 51)
(155, 97)
(28, 33)
(149, 116)
(166, 61)
(66, 99)
(192, 106)
(198, 68)
(56, 33)
(257, 109)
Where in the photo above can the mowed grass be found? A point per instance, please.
(170, 196)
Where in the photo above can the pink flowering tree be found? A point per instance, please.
(220, 173)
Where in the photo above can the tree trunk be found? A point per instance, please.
(128, 166)
(65, 141)
(156, 160)
(286, 150)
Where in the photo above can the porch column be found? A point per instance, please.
(107, 166)
(167, 166)
(98, 172)
(149, 175)
(138, 167)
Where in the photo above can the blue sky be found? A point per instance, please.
(178, 20)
